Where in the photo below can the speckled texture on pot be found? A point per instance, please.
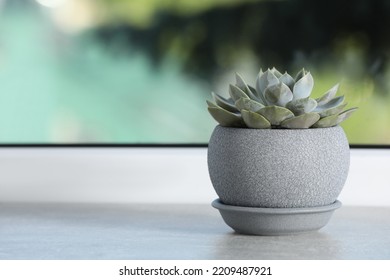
(278, 167)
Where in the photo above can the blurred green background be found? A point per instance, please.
(139, 71)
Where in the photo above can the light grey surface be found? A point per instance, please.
(104, 231)
(275, 221)
(278, 167)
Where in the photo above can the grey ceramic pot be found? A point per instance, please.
(278, 168)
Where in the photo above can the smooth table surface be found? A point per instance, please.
(112, 231)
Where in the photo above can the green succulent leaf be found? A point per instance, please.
(265, 80)
(236, 93)
(332, 111)
(259, 94)
(255, 120)
(227, 104)
(301, 106)
(278, 94)
(334, 102)
(241, 84)
(302, 121)
(303, 87)
(275, 114)
(287, 80)
(327, 122)
(253, 90)
(248, 104)
(276, 72)
(329, 95)
(224, 117)
(345, 115)
(300, 74)
(211, 104)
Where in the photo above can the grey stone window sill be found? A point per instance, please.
(174, 231)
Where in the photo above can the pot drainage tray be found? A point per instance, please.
(275, 221)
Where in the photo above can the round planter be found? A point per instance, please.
(278, 168)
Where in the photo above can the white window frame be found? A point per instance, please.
(150, 175)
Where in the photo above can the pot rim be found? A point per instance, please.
(279, 129)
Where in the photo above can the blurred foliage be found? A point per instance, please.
(142, 13)
(337, 41)
(140, 70)
(285, 34)
(64, 89)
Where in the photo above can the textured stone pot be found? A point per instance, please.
(278, 168)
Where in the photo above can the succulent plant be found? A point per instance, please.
(278, 101)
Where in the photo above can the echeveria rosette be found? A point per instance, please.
(278, 101)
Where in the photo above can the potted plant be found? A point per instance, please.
(278, 158)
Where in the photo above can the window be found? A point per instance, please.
(135, 71)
